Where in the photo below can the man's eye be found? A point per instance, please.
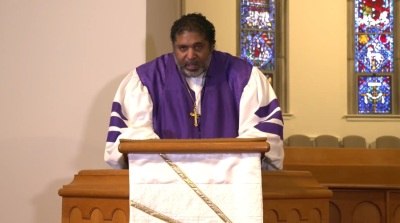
(199, 47)
(182, 48)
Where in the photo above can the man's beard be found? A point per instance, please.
(189, 73)
(196, 73)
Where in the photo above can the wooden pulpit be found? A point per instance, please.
(103, 195)
(195, 180)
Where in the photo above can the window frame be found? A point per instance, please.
(280, 77)
(352, 76)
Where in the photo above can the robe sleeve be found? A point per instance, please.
(131, 118)
(261, 116)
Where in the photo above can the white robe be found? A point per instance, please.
(133, 94)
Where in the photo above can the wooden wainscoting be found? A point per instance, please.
(365, 182)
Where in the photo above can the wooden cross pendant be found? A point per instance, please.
(195, 116)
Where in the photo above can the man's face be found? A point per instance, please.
(192, 53)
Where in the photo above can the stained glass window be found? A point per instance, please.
(374, 94)
(258, 48)
(262, 41)
(374, 54)
(257, 34)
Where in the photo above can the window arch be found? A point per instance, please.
(262, 38)
(373, 59)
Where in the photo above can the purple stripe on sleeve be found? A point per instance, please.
(112, 136)
(276, 115)
(117, 122)
(264, 111)
(116, 107)
(270, 128)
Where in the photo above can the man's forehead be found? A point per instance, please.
(191, 35)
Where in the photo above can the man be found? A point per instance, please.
(195, 92)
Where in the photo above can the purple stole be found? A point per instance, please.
(172, 105)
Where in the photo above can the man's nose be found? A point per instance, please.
(191, 54)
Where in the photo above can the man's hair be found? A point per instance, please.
(194, 22)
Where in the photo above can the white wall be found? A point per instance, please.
(223, 16)
(60, 65)
(159, 17)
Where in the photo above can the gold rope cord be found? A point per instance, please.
(153, 213)
(197, 190)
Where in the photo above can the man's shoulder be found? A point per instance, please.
(229, 58)
(158, 64)
(163, 59)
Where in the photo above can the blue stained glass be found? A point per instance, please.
(373, 53)
(257, 37)
(374, 94)
(373, 36)
(257, 14)
(372, 16)
(257, 47)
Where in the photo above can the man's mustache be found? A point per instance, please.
(191, 63)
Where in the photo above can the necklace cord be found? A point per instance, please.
(195, 114)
